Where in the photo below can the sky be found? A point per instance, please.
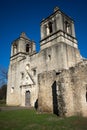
(18, 16)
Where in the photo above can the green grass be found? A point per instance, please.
(30, 120)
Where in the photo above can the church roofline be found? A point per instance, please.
(59, 11)
(17, 39)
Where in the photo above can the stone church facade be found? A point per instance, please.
(54, 78)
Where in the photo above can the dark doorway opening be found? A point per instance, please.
(36, 104)
(27, 98)
(86, 93)
(55, 101)
(86, 96)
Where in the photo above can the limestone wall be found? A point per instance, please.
(45, 81)
(64, 93)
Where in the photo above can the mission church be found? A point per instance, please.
(54, 80)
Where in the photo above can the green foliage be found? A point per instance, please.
(3, 76)
(3, 102)
(3, 90)
(30, 120)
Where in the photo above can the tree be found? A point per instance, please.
(3, 83)
(3, 90)
(3, 76)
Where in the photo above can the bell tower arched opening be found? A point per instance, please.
(27, 47)
(50, 27)
(67, 27)
(15, 49)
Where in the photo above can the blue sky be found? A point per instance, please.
(18, 16)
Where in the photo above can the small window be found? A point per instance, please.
(27, 67)
(49, 57)
(50, 27)
(44, 30)
(12, 89)
(14, 49)
(57, 73)
(34, 71)
(27, 47)
(54, 25)
(67, 27)
(22, 75)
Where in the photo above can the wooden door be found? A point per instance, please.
(27, 98)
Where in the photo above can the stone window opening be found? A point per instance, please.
(22, 75)
(27, 67)
(27, 47)
(57, 73)
(14, 49)
(54, 25)
(34, 72)
(67, 27)
(49, 57)
(49, 28)
(12, 89)
(45, 30)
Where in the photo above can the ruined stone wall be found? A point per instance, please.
(45, 99)
(75, 83)
(64, 93)
(51, 94)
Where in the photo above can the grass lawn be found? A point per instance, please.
(30, 120)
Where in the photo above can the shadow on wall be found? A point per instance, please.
(36, 104)
(55, 101)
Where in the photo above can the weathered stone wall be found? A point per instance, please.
(18, 85)
(51, 94)
(64, 93)
(75, 81)
(45, 81)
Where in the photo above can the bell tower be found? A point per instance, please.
(57, 27)
(22, 46)
(21, 50)
(58, 30)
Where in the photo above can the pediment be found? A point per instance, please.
(27, 80)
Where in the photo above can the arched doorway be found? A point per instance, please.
(55, 100)
(27, 98)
